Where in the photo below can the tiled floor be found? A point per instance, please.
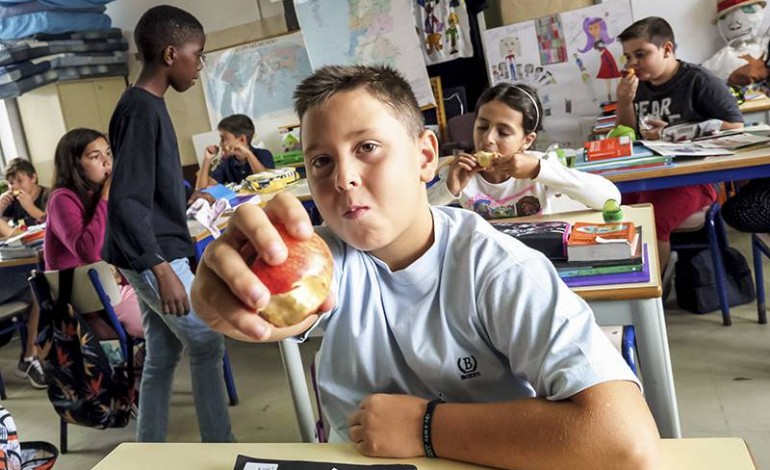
(722, 378)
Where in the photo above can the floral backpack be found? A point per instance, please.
(84, 387)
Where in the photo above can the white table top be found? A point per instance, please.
(677, 454)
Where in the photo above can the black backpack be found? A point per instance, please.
(83, 386)
(696, 286)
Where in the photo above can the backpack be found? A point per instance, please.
(84, 387)
(696, 286)
(15, 455)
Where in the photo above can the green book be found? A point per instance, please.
(597, 270)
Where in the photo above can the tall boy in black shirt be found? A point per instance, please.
(147, 235)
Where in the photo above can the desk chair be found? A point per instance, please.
(760, 245)
(459, 134)
(13, 317)
(710, 220)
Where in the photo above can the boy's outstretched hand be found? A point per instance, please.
(226, 294)
(388, 426)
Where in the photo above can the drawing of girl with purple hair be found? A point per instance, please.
(598, 38)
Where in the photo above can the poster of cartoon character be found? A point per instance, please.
(572, 59)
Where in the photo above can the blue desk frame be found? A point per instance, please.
(714, 176)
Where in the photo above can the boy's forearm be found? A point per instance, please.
(254, 163)
(202, 180)
(5, 229)
(537, 433)
(731, 125)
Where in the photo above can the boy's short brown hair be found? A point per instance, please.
(19, 165)
(383, 82)
(652, 29)
(238, 125)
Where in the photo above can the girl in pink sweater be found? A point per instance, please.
(77, 212)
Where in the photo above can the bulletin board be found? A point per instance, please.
(572, 59)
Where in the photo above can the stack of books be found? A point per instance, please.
(587, 254)
(606, 121)
(641, 158)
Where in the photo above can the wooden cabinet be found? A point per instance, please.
(49, 112)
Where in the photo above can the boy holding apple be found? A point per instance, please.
(442, 336)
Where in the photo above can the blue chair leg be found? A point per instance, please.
(232, 393)
(714, 228)
(62, 436)
(758, 248)
(628, 344)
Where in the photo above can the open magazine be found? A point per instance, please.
(732, 141)
(685, 149)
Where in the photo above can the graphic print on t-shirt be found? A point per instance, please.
(520, 204)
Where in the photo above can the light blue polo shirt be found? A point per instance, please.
(478, 318)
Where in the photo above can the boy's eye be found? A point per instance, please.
(368, 147)
(320, 162)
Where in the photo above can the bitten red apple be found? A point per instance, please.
(300, 284)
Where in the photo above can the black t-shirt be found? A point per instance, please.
(692, 95)
(231, 170)
(146, 219)
(15, 212)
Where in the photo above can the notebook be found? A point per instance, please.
(608, 279)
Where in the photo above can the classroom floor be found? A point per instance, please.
(722, 379)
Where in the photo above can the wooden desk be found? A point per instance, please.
(639, 305)
(677, 454)
(756, 111)
(746, 164)
(12, 263)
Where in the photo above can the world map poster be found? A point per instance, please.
(369, 32)
(256, 79)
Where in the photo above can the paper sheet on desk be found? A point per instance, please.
(207, 214)
(252, 463)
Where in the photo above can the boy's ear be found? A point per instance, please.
(668, 48)
(169, 55)
(428, 145)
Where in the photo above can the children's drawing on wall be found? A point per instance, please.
(443, 28)
(598, 39)
(573, 60)
(550, 40)
(510, 48)
(585, 77)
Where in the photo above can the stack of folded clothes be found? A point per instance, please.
(23, 18)
(45, 41)
(31, 63)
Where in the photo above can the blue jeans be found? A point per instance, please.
(165, 336)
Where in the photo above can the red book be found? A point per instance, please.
(611, 147)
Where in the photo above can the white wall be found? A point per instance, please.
(696, 37)
(214, 15)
